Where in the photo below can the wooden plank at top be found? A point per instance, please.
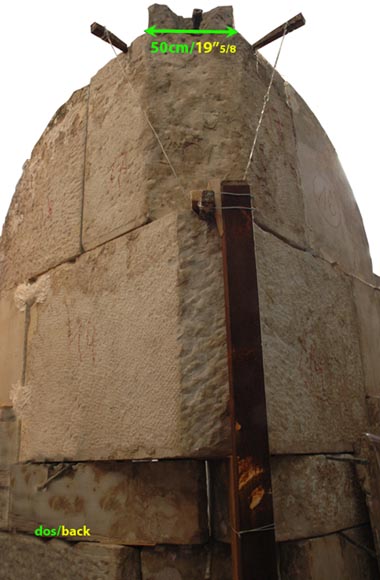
(101, 32)
(292, 24)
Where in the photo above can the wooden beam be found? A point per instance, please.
(252, 519)
(107, 36)
(291, 25)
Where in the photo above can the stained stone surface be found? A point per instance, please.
(373, 404)
(9, 440)
(23, 557)
(333, 221)
(140, 503)
(12, 330)
(186, 563)
(43, 224)
(368, 473)
(315, 495)
(127, 350)
(367, 301)
(333, 557)
(4, 505)
(312, 496)
(312, 359)
(9, 430)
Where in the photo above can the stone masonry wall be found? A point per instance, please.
(113, 358)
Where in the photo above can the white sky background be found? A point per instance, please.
(47, 52)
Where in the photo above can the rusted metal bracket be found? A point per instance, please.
(101, 32)
(251, 506)
(60, 470)
(292, 24)
(197, 18)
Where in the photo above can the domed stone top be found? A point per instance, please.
(98, 170)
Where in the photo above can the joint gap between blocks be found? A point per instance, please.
(105, 461)
(335, 532)
(313, 454)
(84, 171)
(311, 252)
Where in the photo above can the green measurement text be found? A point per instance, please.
(199, 47)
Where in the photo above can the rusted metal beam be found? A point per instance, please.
(252, 521)
(292, 24)
(107, 36)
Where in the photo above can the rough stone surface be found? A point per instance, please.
(155, 290)
(368, 447)
(9, 431)
(315, 496)
(43, 224)
(4, 507)
(373, 404)
(127, 353)
(12, 329)
(312, 362)
(141, 503)
(118, 143)
(367, 300)
(312, 496)
(186, 563)
(219, 500)
(9, 436)
(333, 557)
(23, 557)
(334, 224)
(206, 135)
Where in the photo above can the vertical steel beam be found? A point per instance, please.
(252, 522)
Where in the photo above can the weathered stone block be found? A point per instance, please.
(368, 472)
(9, 430)
(367, 301)
(219, 500)
(140, 503)
(118, 143)
(312, 496)
(373, 404)
(4, 507)
(333, 557)
(24, 557)
(315, 496)
(127, 353)
(128, 178)
(12, 330)
(153, 319)
(186, 563)
(334, 224)
(9, 437)
(43, 224)
(312, 360)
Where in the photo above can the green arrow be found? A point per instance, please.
(153, 31)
